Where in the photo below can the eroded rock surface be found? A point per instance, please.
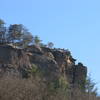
(54, 62)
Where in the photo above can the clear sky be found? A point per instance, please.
(72, 24)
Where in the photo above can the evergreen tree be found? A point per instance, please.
(90, 86)
(37, 41)
(15, 32)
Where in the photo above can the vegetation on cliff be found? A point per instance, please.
(30, 70)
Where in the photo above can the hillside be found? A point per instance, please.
(31, 70)
(53, 68)
(53, 62)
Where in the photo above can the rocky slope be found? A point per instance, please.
(53, 62)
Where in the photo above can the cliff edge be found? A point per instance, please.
(53, 62)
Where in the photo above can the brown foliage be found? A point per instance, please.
(14, 88)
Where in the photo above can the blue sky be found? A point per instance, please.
(72, 24)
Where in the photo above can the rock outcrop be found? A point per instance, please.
(54, 62)
(13, 60)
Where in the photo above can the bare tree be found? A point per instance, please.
(50, 44)
(2, 31)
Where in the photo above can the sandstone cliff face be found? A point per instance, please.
(74, 73)
(54, 62)
(13, 60)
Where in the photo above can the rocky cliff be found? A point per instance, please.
(53, 62)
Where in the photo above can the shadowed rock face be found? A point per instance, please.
(75, 74)
(12, 59)
(53, 62)
(80, 73)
